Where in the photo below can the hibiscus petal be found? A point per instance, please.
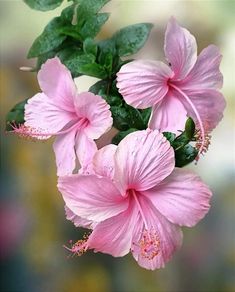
(142, 160)
(143, 83)
(78, 221)
(164, 238)
(180, 49)
(205, 73)
(91, 197)
(114, 236)
(44, 116)
(96, 110)
(56, 82)
(65, 153)
(85, 150)
(169, 115)
(210, 105)
(103, 161)
(182, 198)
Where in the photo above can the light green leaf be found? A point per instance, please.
(43, 5)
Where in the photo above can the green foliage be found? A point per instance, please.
(121, 135)
(93, 25)
(43, 5)
(129, 40)
(15, 115)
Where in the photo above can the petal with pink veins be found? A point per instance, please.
(96, 110)
(154, 247)
(182, 198)
(65, 153)
(78, 221)
(114, 235)
(43, 116)
(169, 115)
(180, 49)
(209, 104)
(142, 160)
(85, 150)
(56, 82)
(143, 83)
(103, 161)
(205, 73)
(91, 197)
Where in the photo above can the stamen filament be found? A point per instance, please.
(196, 113)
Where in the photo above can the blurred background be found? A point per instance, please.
(33, 226)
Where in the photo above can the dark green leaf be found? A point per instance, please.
(43, 58)
(185, 155)
(135, 118)
(120, 118)
(50, 38)
(190, 128)
(90, 47)
(145, 113)
(43, 5)
(68, 13)
(131, 39)
(70, 31)
(118, 138)
(15, 115)
(94, 70)
(88, 8)
(169, 136)
(93, 25)
(99, 87)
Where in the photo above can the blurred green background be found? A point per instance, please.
(33, 226)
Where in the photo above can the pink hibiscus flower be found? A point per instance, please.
(136, 199)
(188, 86)
(76, 119)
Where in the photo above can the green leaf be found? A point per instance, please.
(93, 25)
(120, 118)
(43, 5)
(43, 58)
(131, 39)
(99, 87)
(185, 155)
(50, 38)
(15, 115)
(190, 128)
(94, 70)
(169, 136)
(118, 138)
(90, 47)
(88, 8)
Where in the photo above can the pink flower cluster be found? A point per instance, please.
(131, 196)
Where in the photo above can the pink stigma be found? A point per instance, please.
(149, 244)
(78, 248)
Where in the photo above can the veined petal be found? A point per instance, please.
(78, 221)
(153, 247)
(103, 161)
(65, 153)
(182, 198)
(96, 110)
(210, 105)
(114, 235)
(169, 115)
(205, 74)
(180, 49)
(142, 160)
(143, 83)
(91, 197)
(43, 116)
(85, 149)
(56, 82)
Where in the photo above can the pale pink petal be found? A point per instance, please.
(205, 73)
(210, 105)
(78, 221)
(43, 116)
(169, 115)
(96, 110)
(85, 150)
(65, 153)
(142, 160)
(103, 161)
(56, 82)
(180, 49)
(91, 197)
(164, 238)
(143, 83)
(182, 198)
(114, 235)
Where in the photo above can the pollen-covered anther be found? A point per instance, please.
(78, 248)
(27, 132)
(200, 144)
(149, 244)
